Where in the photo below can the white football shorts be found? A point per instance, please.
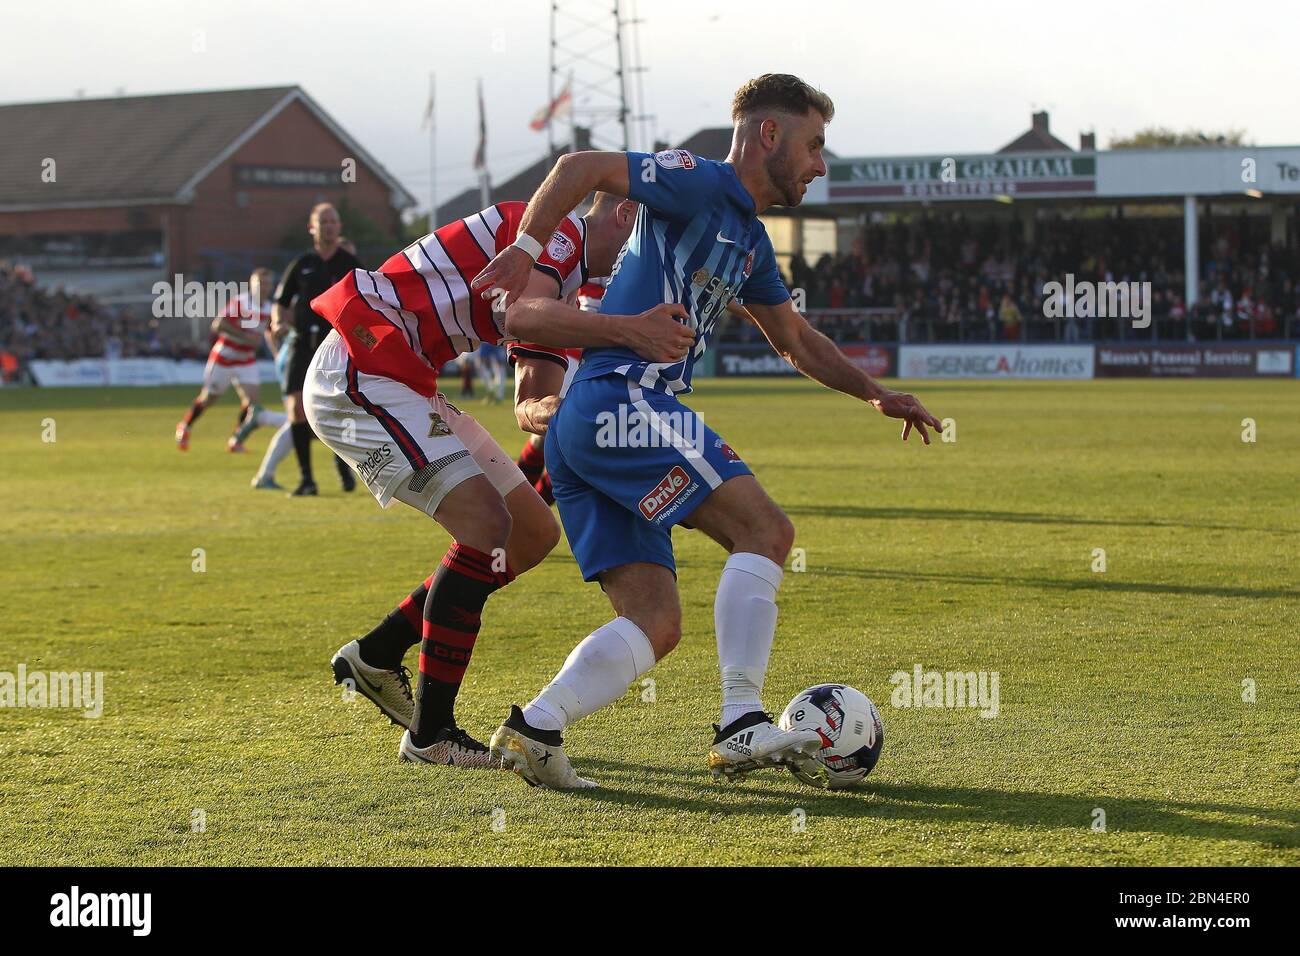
(405, 447)
(218, 377)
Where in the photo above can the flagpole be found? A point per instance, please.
(550, 90)
(433, 155)
(484, 190)
(573, 127)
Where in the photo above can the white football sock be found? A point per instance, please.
(596, 673)
(744, 615)
(281, 445)
(268, 419)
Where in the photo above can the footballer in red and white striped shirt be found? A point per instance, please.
(239, 331)
(418, 305)
(371, 394)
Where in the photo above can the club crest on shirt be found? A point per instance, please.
(675, 159)
(365, 337)
(701, 276)
(749, 263)
(560, 247)
(437, 427)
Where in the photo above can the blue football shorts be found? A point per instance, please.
(626, 465)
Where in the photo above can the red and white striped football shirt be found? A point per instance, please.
(240, 332)
(591, 294)
(417, 312)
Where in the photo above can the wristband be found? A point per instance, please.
(530, 245)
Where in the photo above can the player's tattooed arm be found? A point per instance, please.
(656, 335)
(817, 357)
(573, 176)
(537, 391)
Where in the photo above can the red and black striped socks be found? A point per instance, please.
(532, 461)
(403, 627)
(543, 487)
(459, 589)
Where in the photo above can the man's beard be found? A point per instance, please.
(781, 173)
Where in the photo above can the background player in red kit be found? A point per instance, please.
(371, 394)
(233, 360)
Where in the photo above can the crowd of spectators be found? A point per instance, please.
(933, 279)
(958, 280)
(40, 323)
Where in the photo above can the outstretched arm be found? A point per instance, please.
(817, 357)
(570, 180)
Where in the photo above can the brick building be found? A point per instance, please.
(196, 183)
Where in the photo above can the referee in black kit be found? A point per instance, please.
(307, 277)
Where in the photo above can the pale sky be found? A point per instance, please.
(937, 76)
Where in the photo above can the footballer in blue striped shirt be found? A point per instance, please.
(697, 245)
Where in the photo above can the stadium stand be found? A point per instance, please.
(41, 323)
(953, 279)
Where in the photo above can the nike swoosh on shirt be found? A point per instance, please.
(722, 238)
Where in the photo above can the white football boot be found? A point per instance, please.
(753, 742)
(535, 755)
(452, 747)
(389, 690)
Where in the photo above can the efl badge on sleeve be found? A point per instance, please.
(675, 159)
(560, 247)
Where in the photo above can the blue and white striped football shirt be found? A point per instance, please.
(697, 241)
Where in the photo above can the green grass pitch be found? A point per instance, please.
(1120, 691)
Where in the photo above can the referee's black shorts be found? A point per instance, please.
(301, 352)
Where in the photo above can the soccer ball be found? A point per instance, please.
(850, 728)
